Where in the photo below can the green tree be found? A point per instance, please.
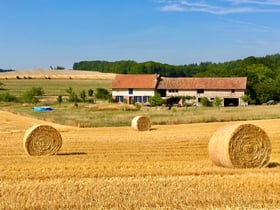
(73, 97)
(31, 96)
(205, 101)
(156, 100)
(247, 99)
(59, 99)
(83, 95)
(102, 93)
(91, 95)
(7, 97)
(90, 92)
(217, 101)
(69, 90)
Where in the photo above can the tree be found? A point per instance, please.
(7, 97)
(83, 95)
(73, 97)
(205, 101)
(59, 99)
(102, 93)
(156, 100)
(69, 90)
(31, 96)
(91, 95)
(217, 101)
(59, 68)
(90, 92)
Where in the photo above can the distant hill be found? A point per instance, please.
(5, 70)
(191, 70)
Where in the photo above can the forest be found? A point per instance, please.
(263, 73)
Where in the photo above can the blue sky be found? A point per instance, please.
(44, 33)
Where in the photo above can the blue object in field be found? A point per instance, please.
(42, 108)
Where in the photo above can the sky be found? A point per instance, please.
(36, 34)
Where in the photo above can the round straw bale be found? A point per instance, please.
(240, 146)
(141, 123)
(42, 140)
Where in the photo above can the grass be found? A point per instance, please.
(52, 87)
(114, 115)
(102, 114)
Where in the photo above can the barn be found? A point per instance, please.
(230, 89)
(132, 88)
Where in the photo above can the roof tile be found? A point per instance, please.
(140, 81)
(207, 83)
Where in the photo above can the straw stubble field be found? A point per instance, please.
(167, 167)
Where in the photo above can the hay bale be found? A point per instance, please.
(141, 123)
(42, 140)
(240, 146)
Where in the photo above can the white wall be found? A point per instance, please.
(210, 94)
(138, 92)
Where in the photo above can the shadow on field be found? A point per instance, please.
(72, 153)
(273, 165)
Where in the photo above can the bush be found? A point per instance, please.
(102, 93)
(205, 102)
(59, 99)
(30, 96)
(156, 100)
(217, 101)
(7, 97)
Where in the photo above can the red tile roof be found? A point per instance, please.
(137, 81)
(221, 83)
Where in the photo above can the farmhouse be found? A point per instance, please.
(132, 88)
(139, 88)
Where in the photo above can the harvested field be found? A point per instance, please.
(56, 74)
(167, 167)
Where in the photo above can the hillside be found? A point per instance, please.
(56, 74)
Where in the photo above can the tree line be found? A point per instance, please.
(263, 73)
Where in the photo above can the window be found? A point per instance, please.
(200, 91)
(119, 98)
(138, 99)
(232, 91)
(130, 91)
(145, 99)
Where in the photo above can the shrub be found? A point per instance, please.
(156, 100)
(59, 99)
(102, 93)
(205, 102)
(7, 97)
(30, 96)
(83, 95)
(217, 101)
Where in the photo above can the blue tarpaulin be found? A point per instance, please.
(42, 108)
